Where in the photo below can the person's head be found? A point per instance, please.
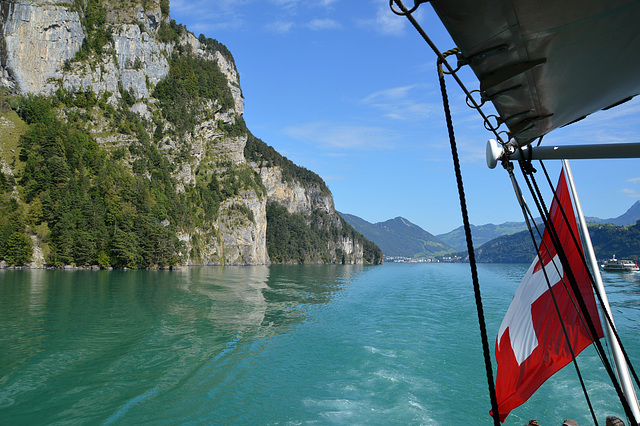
(614, 421)
(532, 423)
(569, 422)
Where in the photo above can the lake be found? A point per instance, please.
(390, 344)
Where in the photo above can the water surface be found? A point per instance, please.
(394, 344)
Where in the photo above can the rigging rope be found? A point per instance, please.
(472, 258)
(442, 57)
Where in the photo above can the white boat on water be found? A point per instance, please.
(614, 264)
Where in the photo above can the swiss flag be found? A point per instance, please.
(531, 345)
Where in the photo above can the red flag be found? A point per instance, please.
(531, 345)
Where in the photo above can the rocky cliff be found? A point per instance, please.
(164, 109)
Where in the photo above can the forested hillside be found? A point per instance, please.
(607, 239)
(126, 148)
(400, 238)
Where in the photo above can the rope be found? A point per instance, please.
(442, 58)
(472, 258)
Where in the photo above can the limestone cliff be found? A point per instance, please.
(110, 69)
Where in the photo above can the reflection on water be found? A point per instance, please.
(93, 345)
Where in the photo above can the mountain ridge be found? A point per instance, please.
(485, 233)
(399, 237)
(124, 145)
(506, 242)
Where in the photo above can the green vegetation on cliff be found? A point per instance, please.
(85, 205)
(121, 180)
(300, 239)
(263, 155)
(622, 241)
(94, 19)
(190, 82)
(607, 239)
(15, 244)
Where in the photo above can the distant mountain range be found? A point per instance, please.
(481, 234)
(507, 242)
(608, 240)
(629, 218)
(399, 238)
(485, 233)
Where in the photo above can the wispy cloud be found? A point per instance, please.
(403, 103)
(630, 193)
(384, 22)
(323, 24)
(209, 16)
(280, 27)
(285, 27)
(342, 136)
(633, 193)
(215, 15)
(612, 126)
(287, 4)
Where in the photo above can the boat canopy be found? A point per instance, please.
(547, 63)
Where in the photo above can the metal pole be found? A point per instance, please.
(621, 365)
(578, 152)
(496, 152)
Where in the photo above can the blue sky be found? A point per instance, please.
(349, 90)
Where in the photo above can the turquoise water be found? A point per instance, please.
(394, 344)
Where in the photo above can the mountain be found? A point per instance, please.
(123, 144)
(485, 233)
(399, 238)
(630, 217)
(608, 240)
(481, 234)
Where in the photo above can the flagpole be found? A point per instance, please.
(618, 357)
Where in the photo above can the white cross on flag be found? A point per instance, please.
(531, 345)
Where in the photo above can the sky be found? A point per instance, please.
(349, 90)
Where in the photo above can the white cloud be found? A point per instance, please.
(385, 21)
(617, 125)
(630, 193)
(287, 4)
(323, 24)
(209, 16)
(342, 136)
(403, 103)
(280, 27)
(325, 3)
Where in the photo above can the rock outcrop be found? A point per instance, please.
(39, 56)
(38, 39)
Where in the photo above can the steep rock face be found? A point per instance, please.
(137, 65)
(229, 70)
(293, 195)
(243, 239)
(38, 56)
(39, 37)
(306, 200)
